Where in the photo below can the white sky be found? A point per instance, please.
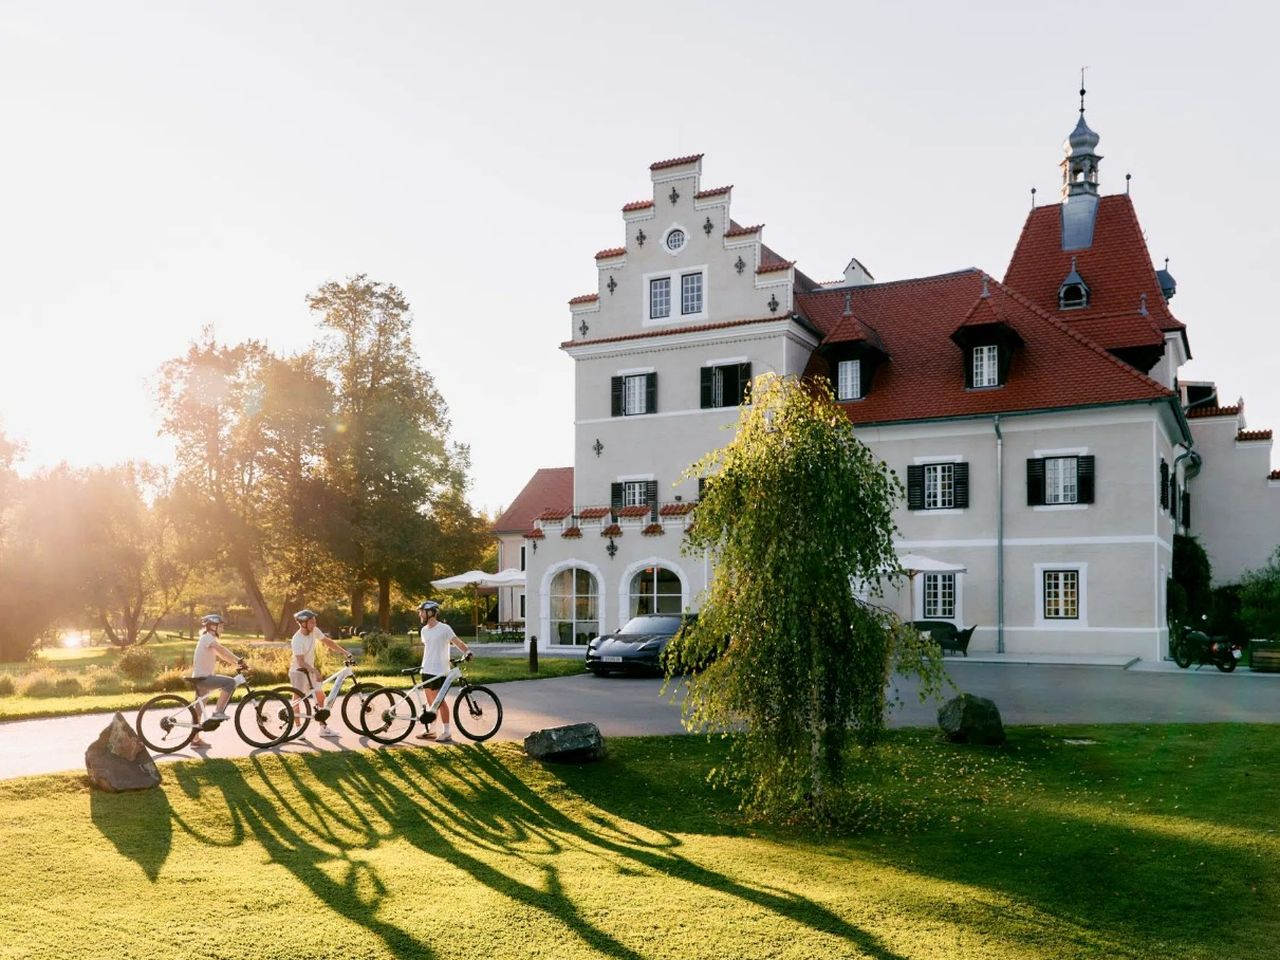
(167, 165)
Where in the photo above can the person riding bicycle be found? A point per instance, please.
(302, 665)
(436, 640)
(204, 671)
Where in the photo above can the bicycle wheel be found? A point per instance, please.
(353, 704)
(158, 722)
(301, 705)
(478, 713)
(388, 715)
(264, 719)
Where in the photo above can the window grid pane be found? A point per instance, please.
(717, 386)
(1060, 480)
(984, 366)
(1061, 594)
(659, 298)
(849, 380)
(939, 596)
(939, 486)
(634, 398)
(691, 293)
(633, 494)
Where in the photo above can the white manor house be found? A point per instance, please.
(1046, 442)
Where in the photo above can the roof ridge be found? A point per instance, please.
(1086, 341)
(890, 283)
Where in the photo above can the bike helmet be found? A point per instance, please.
(426, 606)
(209, 618)
(305, 614)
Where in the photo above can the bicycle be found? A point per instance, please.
(302, 704)
(170, 721)
(389, 713)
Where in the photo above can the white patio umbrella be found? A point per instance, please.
(510, 577)
(477, 580)
(914, 563)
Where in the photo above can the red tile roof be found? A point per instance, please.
(555, 513)
(675, 509)
(1116, 267)
(635, 510)
(571, 533)
(611, 252)
(670, 331)
(737, 231)
(1056, 366)
(612, 530)
(585, 298)
(549, 488)
(636, 205)
(653, 530)
(592, 513)
(1244, 436)
(718, 191)
(534, 534)
(1231, 411)
(775, 266)
(663, 164)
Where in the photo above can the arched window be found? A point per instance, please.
(1073, 296)
(655, 590)
(575, 607)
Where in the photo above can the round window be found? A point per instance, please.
(675, 240)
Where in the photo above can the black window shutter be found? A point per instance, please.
(744, 382)
(1035, 482)
(616, 384)
(1173, 494)
(960, 484)
(615, 497)
(708, 395)
(1186, 508)
(1084, 479)
(915, 486)
(968, 367)
(1164, 485)
(651, 496)
(650, 393)
(1004, 357)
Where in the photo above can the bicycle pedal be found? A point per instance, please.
(322, 714)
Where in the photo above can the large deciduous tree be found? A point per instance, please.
(796, 513)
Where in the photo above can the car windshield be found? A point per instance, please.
(643, 625)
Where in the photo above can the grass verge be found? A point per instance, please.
(1149, 842)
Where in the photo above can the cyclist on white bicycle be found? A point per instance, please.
(302, 666)
(204, 666)
(436, 640)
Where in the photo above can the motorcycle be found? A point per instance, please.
(1193, 646)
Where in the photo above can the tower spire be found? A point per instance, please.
(1079, 181)
(1082, 70)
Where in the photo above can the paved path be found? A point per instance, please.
(1031, 693)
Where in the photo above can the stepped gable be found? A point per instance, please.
(1116, 266)
(549, 490)
(912, 321)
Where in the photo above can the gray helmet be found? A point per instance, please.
(426, 606)
(209, 618)
(305, 614)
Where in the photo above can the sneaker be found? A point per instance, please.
(199, 744)
(219, 715)
(427, 735)
(325, 731)
(445, 738)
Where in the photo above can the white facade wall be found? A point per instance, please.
(512, 549)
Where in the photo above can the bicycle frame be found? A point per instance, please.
(415, 693)
(204, 724)
(337, 679)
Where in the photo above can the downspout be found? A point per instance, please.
(999, 535)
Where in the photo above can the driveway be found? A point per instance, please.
(1026, 694)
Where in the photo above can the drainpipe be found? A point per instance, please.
(999, 535)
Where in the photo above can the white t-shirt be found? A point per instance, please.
(304, 646)
(203, 662)
(435, 648)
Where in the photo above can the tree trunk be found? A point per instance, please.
(357, 607)
(288, 607)
(106, 627)
(257, 602)
(384, 602)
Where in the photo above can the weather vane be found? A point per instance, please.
(1082, 70)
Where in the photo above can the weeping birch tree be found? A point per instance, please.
(795, 511)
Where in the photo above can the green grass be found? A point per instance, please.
(1154, 842)
(480, 670)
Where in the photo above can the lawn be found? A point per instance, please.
(1150, 842)
(480, 670)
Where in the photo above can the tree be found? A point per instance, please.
(400, 480)
(795, 511)
(1260, 599)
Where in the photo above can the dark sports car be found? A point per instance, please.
(637, 647)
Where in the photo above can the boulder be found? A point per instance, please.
(574, 743)
(118, 760)
(970, 719)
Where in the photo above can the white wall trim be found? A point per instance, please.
(624, 583)
(764, 330)
(544, 595)
(939, 458)
(1034, 542)
(667, 232)
(1062, 452)
(674, 273)
(623, 478)
(1051, 507)
(725, 361)
(917, 598)
(1082, 588)
(662, 413)
(635, 371)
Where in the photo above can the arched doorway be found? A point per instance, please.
(575, 607)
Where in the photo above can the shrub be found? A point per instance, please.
(137, 664)
(1260, 599)
(7, 686)
(173, 680)
(399, 655)
(375, 643)
(269, 665)
(67, 686)
(103, 682)
(42, 683)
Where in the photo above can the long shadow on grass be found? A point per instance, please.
(138, 824)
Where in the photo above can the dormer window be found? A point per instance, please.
(849, 380)
(1073, 294)
(986, 366)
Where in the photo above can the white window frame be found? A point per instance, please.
(1081, 619)
(849, 380)
(653, 300)
(635, 399)
(633, 488)
(939, 486)
(1059, 489)
(675, 282)
(938, 584)
(684, 293)
(666, 240)
(986, 366)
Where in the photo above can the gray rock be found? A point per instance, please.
(118, 760)
(970, 719)
(574, 743)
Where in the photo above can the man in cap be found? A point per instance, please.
(302, 666)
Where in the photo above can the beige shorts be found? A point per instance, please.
(304, 681)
